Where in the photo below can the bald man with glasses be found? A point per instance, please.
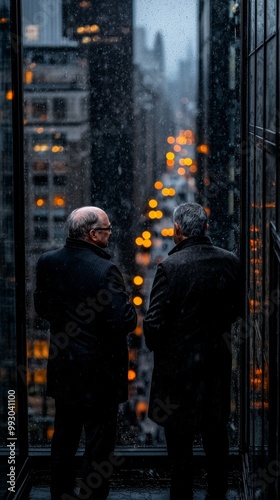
(82, 295)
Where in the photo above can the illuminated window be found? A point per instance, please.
(40, 376)
(57, 149)
(32, 32)
(40, 349)
(50, 432)
(41, 148)
(40, 201)
(141, 409)
(28, 77)
(131, 375)
(203, 148)
(9, 95)
(59, 201)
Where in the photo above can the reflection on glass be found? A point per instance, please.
(8, 393)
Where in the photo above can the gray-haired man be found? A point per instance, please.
(196, 296)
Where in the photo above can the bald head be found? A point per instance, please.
(83, 219)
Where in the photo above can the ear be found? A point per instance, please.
(92, 235)
(177, 228)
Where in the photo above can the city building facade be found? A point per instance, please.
(218, 119)
(259, 342)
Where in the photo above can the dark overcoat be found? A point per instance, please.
(82, 295)
(196, 296)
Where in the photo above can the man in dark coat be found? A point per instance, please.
(82, 295)
(194, 300)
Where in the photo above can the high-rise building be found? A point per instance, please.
(103, 31)
(218, 120)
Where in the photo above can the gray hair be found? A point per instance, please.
(80, 222)
(192, 219)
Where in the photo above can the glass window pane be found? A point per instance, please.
(271, 85)
(260, 21)
(112, 123)
(252, 89)
(270, 216)
(8, 364)
(259, 89)
(252, 8)
(270, 17)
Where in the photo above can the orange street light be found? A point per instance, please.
(137, 301)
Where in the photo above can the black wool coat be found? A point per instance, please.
(82, 295)
(195, 297)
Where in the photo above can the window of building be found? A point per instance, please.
(59, 180)
(59, 138)
(41, 233)
(41, 201)
(38, 58)
(59, 200)
(59, 108)
(40, 217)
(39, 110)
(40, 180)
(59, 167)
(59, 233)
(40, 166)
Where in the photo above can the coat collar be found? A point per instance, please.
(79, 243)
(192, 240)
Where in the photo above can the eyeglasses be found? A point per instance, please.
(109, 228)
